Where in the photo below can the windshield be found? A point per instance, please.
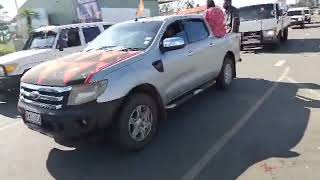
(134, 35)
(41, 40)
(294, 13)
(257, 12)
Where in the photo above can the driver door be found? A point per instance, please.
(178, 66)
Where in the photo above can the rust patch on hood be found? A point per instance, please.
(76, 68)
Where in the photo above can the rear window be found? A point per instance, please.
(106, 26)
(306, 12)
(90, 33)
(196, 30)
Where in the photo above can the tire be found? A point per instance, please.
(302, 26)
(285, 34)
(226, 75)
(128, 134)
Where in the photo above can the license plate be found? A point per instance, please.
(33, 118)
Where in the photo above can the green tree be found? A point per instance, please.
(5, 34)
(29, 15)
(1, 7)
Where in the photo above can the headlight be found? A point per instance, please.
(85, 93)
(269, 33)
(10, 68)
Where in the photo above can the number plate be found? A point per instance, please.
(33, 118)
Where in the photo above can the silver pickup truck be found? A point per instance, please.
(127, 77)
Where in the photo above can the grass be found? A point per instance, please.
(6, 49)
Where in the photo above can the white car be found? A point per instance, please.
(297, 16)
(42, 46)
(308, 15)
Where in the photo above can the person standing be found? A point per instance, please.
(215, 18)
(232, 17)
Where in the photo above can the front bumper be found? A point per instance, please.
(74, 121)
(9, 83)
(257, 40)
(296, 23)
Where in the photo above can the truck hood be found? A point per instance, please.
(77, 68)
(258, 25)
(21, 55)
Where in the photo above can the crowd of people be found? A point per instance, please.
(222, 23)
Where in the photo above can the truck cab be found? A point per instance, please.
(263, 24)
(297, 16)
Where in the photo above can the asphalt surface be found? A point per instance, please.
(265, 127)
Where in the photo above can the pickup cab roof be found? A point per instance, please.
(56, 28)
(167, 18)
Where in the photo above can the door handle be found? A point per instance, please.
(190, 53)
(211, 44)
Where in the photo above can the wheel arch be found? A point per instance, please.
(153, 92)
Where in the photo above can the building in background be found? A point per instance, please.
(71, 11)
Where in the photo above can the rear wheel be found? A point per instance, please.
(227, 73)
(137, 122)
(302, 26)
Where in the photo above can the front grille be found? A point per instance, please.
(252, 34)
(44, 96)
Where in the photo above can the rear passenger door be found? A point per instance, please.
(202, 50)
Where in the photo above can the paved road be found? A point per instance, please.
(265, 127)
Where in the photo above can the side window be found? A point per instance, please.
(196, 30)
(106, 26)
(175, 30)
(73, 37)
(90, 33)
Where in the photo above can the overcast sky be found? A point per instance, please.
(9, 5)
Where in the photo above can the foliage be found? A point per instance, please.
(1, 7)
(6, 49)
(307, 3)
(5, 34)
(29, 14)
(172, 7)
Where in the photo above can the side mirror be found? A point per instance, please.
(174, 43)
(281, 12)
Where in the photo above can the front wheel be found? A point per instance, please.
(137, 122)
(226, 75)
(285, 35)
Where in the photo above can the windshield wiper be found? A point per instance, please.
(102, 48)
(132, 49)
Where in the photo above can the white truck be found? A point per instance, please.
(263, 23)
(43, 45)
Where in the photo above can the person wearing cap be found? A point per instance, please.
(215, 18)
(232, 17)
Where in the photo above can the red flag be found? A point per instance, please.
(140, 11)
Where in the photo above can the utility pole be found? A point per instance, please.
(17, 6)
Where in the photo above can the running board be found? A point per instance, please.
(189, 95)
